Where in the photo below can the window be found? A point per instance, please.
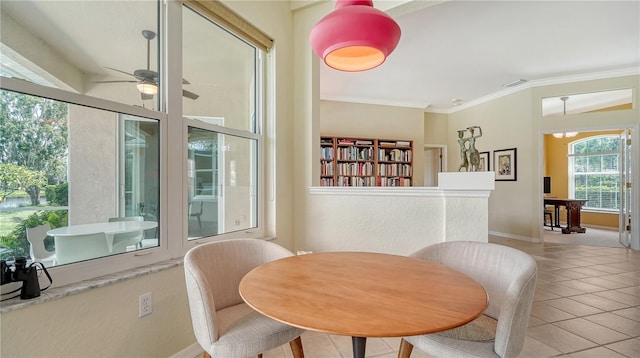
(594, 172)
(223, 132)
(119, 141)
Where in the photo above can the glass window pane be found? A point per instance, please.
(92, 168)
(84, 47)
(221, 69)
(222, 183)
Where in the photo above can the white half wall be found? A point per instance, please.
(398, 220)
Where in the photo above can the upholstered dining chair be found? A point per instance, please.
(224, 325)
(509, 277)
(121, 241)
(37, 250)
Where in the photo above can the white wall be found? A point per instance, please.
(398, 220)
(92, 173)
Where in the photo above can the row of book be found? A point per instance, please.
(390, 170)
(326, 168)
(356, 181)
(326, 181)
(398, 143)
(326, 153)
(355, 153)
(394, 155)
(348, 141)
(355, 168)
(394, 182)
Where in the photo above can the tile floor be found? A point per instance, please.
(587, 305)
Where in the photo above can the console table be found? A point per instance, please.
(573, 207)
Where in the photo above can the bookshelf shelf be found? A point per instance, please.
(365, 162)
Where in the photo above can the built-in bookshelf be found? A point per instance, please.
(365, 162)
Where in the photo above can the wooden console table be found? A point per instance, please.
(573, 207)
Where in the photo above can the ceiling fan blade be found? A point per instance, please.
(113, 69)
(145, 96)
(185, 82)
(189, 95)
(119, 81)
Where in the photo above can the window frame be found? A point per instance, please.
(173, 149)
(80, 271)
(572, 172)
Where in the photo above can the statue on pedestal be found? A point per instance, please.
(469, 155)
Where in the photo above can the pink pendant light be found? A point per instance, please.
(355, 36)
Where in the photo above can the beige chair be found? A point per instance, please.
(76, 248)
(37, 250)
(122, 241)
(508, 275)
(225, 326)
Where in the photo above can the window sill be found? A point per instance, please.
(83, 286)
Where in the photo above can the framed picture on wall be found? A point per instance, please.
(505, 163)
(485, 162)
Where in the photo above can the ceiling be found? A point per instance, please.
(468, 50)
(462, 50)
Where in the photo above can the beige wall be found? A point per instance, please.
(103, 322)
(515, 121)
(436, 128)
(342, 119)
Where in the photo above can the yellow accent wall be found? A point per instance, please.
(556, 165)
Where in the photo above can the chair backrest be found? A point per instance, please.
(121, 241)
(36, 236)
(212, 274)
(507, 274)
(75, 248)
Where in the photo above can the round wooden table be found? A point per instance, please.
(362, 294)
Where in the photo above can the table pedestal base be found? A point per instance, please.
(359, 345)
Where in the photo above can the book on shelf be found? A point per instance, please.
(402, 143)
(364, 142)
(346, 141)
(387, 144)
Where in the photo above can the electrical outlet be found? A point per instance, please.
(145, 304)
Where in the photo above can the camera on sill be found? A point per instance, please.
(19, 271)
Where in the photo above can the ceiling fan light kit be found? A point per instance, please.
(355, 36)
(147, 87)
(147, 79)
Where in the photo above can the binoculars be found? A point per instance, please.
(19, 271)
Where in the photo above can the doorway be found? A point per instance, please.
(435, 161)
(595, 166)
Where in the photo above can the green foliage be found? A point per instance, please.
(17, 177)
(34, 133)
(57, 194)
(17, 241)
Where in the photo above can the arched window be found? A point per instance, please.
(594, 172)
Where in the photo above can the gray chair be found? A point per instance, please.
(224, 325)
(76, 248)
(122, 241)
(37, 250)
(509, 277)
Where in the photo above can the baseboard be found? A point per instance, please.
(608, 228)
(191, 351)
(515, 237)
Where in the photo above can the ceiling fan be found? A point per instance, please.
(146, 79)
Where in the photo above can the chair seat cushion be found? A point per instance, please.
(245, 332)
(481, 329)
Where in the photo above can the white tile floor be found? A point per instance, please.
(587, 304)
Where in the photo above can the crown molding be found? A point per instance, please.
(382, 102)
(631, 71)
